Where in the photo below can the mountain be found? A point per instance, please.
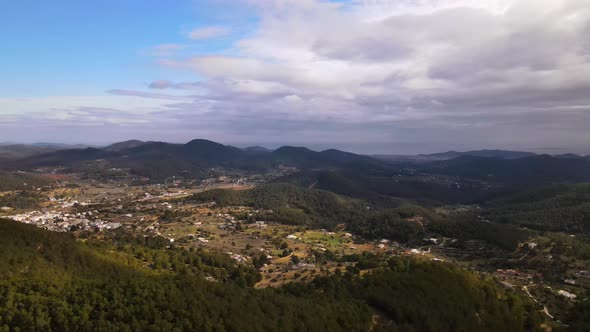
(500, 154)
(61, 146)
(60, 158)
(424, 158)
(322, 209)
(257, 150)
(160, 159)
(124, 145)
(344, 157)
(205, 151)
(151, 150)
(535, 170)
(403, 159)
(444, 155)
(174, 157)
(335, 181)
(388, 187)
(198, 152)
(17, 151)
(305, 158)
(561, 208)
(294, 153)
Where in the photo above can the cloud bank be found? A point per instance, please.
(378, 75)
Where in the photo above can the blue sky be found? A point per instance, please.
(374, 76)
(86, 47)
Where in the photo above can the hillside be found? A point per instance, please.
(290, 204)
(154, 159)
(563, 208)
(106, 293)
(20, 181)
(332, 158)
(17, 151)
(51, 282)
(204, 151)
(124, 145)
(66, 157)
(536, 170)
(319, 209)
(160, 159)
(388, 188)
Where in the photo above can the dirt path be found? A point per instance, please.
(545, 310)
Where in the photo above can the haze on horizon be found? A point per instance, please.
(372, 76)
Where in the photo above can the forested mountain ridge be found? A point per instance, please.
(306, 158)
(536, 170)
(124, 145)
(388, 187)
(59, 158)
(160, 160)
(499, 154)
(422, 158)
(167, 159)
(290, 204)
(563, 208)
(15, 151)
(339, 235)
(109, 294)
(323, 209)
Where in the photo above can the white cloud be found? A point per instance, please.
(490, 73)
(43, 104)
(292, 98)
(208, 32)
(444, 64)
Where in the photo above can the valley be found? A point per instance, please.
(308, 220)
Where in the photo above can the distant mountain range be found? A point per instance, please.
(11, 151)
(15, 151)
(165, 159)
(160, 159)
(124, 145)
(49, 145)
(500, 154)
(532, 170)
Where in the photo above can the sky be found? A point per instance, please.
(369, 76)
